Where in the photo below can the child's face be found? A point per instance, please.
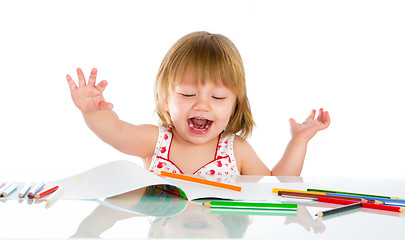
(200, 112)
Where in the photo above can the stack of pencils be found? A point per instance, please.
(349, 200)
(30, 191)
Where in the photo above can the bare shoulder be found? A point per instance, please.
(247, 160)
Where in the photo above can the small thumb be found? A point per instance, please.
(106, 106)
(292, 122)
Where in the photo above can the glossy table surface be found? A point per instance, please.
(170, 217)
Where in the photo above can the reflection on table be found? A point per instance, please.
(172, 216)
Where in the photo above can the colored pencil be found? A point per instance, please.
(251, 205)
(24, 190)
(35, 190)
(276, 190)
(339, 209)
(46, 192)
(335, 201)
(9, 190)
(366, 205)
(198, 180)
(399, 202)
(52, 198)
(348, 193)
(5, 186)
(315, 196)
(2, 185)
(384, 207)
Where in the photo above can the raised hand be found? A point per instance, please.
(306, 130)
(88, 97)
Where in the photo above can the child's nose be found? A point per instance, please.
(202, 104)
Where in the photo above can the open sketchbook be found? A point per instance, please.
(118, 177)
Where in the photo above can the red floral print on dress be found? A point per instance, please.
(224, 163)
(161, 164)
(163, 149)
(210, 172)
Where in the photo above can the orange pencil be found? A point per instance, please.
(46, 192)
(198, 180)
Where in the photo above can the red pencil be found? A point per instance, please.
(383, 207)
(366, 205)
(46, 192)
(335, 200)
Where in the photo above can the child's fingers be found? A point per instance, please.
(101, 86)
(320, 114)
(292, 122)
(326, 118)
(311, 115)
(82, 80)
(72, 84)
(92, 78)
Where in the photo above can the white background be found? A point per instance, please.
(345, 56)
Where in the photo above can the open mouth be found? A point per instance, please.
(199, 125)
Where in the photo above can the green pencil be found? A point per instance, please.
(251, 205)
(349, 193)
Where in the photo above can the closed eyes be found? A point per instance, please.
(187, 95)
(218, 98)
(192, 95)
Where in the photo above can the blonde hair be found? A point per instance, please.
(205, 56)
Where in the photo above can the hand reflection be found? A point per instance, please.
(196, 222)
(305, 219)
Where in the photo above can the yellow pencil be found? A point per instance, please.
(198, 180)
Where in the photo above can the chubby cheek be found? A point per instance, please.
(223, 115)
(176, 110)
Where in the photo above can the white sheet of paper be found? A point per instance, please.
(118, 177)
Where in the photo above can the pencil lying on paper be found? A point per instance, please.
(276, 190)
(366, 205)
(315, 196)
(389, 201)
(339, 209)
(46, 192)
(9, 190)
(348, 193)
(5, 186)
(198, 180)
(251, 205)
(35, 190)
(24, 190)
